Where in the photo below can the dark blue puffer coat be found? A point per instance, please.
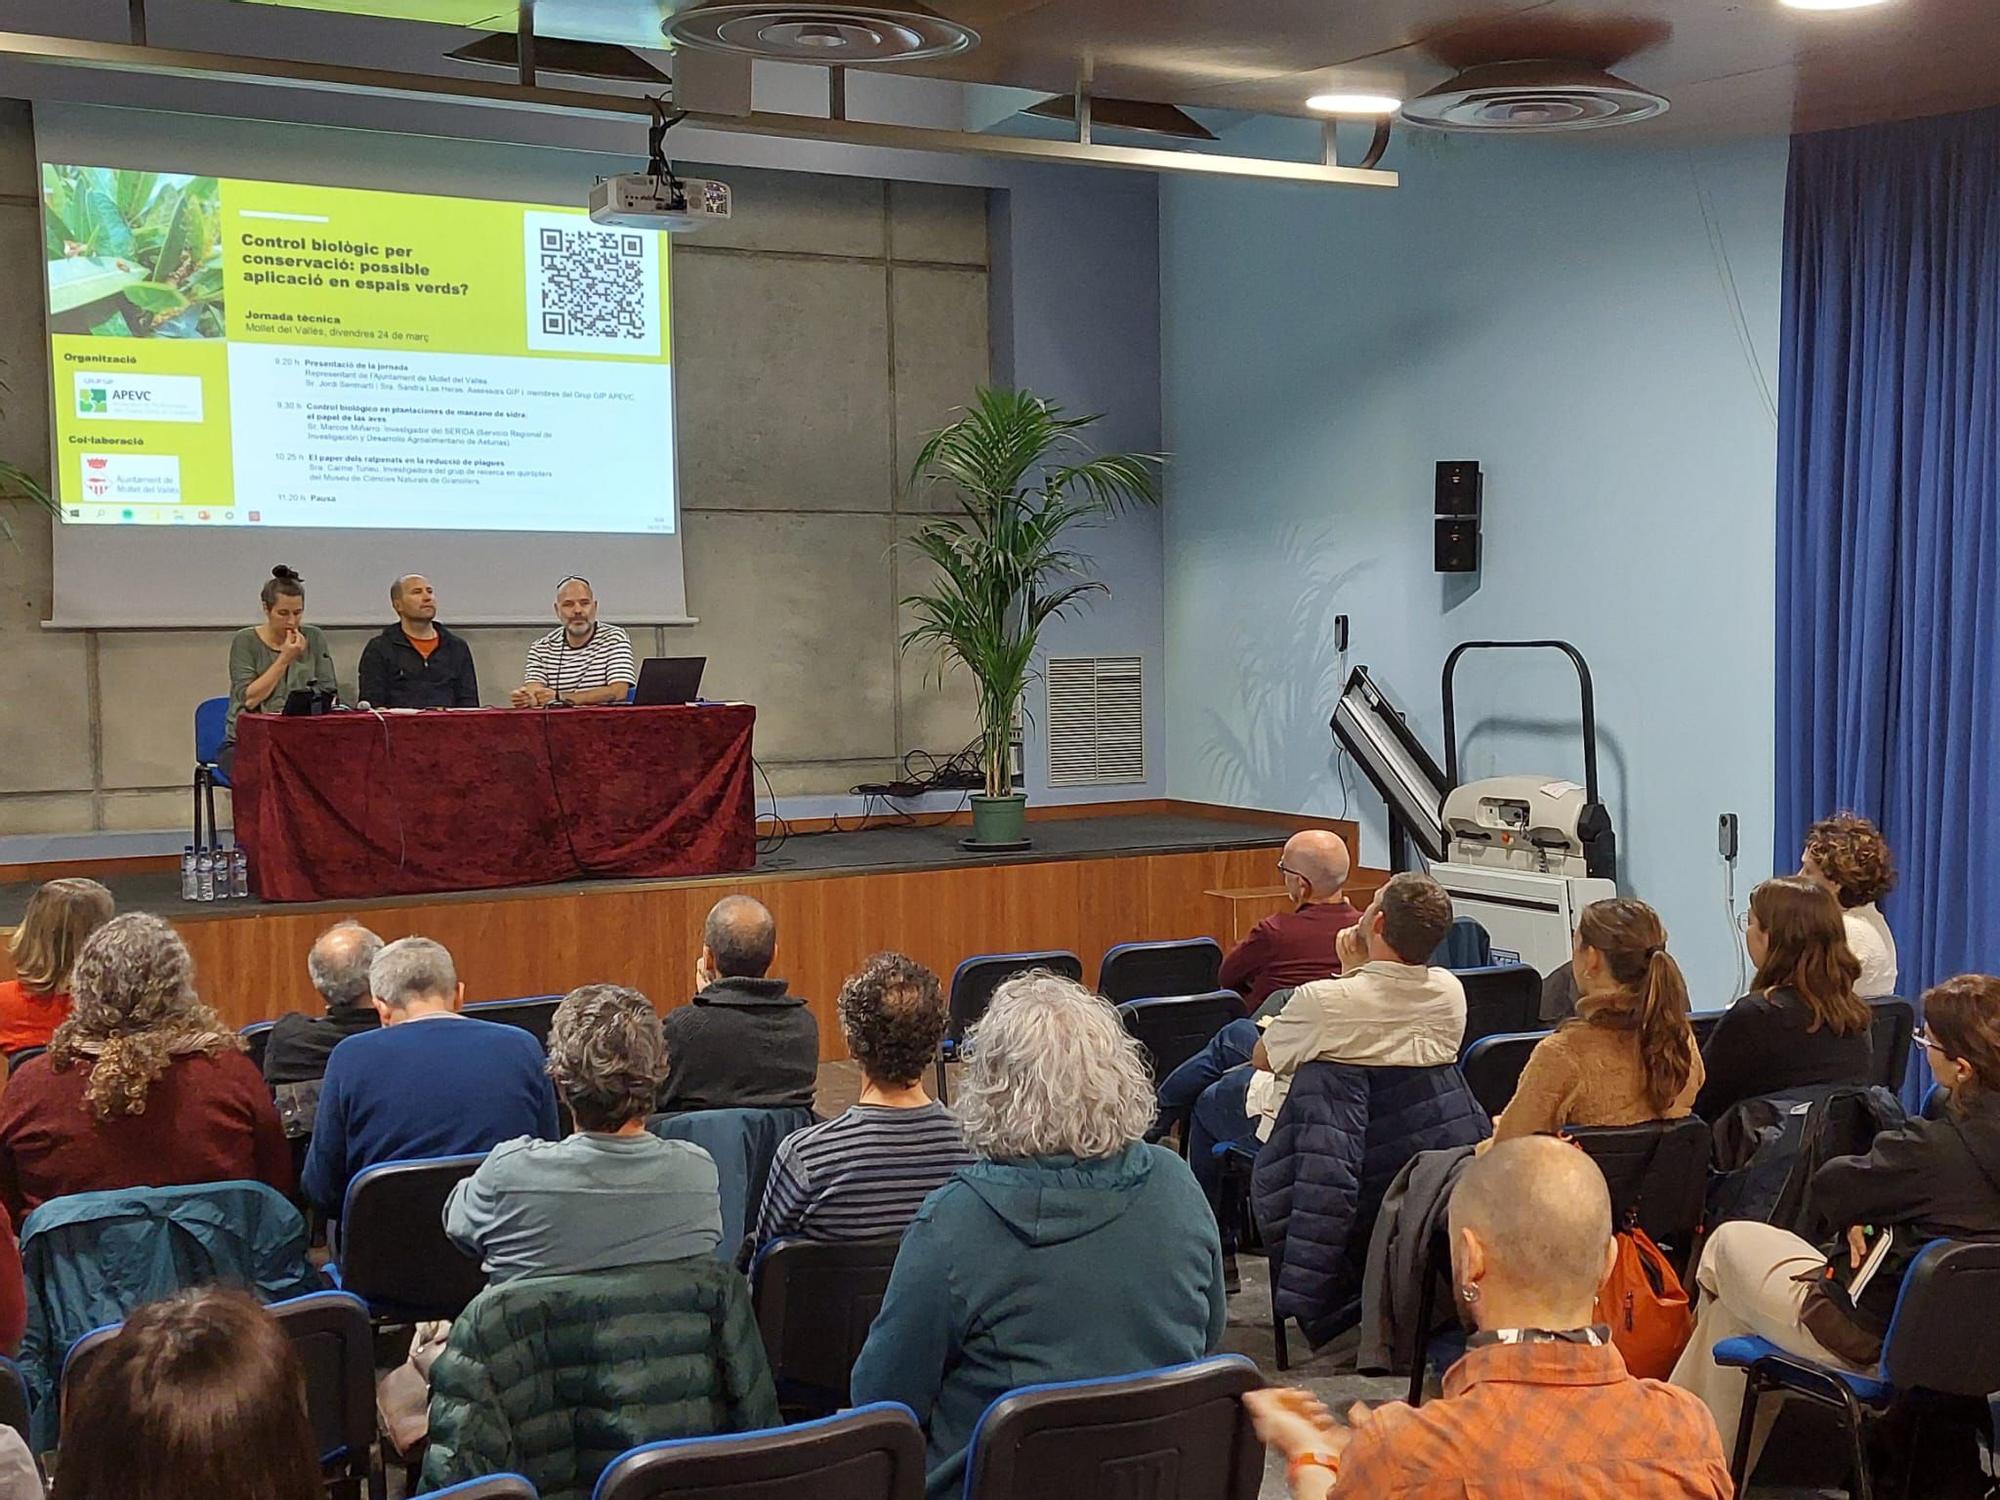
(1341, 1138)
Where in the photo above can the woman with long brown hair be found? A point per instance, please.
(1801, 1025)
(1627, 1056)
(60, 916)
(201, 1394)
(143, 1085)
(1924, 1180)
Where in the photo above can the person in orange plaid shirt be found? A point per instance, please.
(1541, 1407)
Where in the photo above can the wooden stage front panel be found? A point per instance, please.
(251, 966)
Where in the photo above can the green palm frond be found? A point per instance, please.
(1022, 476)
(18, 486)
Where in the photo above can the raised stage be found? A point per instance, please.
(1149, 870)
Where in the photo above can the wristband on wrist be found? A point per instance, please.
(1312, 1460)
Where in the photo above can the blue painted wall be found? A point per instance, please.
(1596, 323)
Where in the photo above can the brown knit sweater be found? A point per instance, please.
(1587, 1073)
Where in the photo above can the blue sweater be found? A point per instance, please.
(442, 1086)
(1019, 1272)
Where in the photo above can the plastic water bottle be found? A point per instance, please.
(239, 873)
(187, 872)
(204, 876)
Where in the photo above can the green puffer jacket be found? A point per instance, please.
(555, 1376)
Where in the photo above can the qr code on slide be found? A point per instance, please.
(591, 290)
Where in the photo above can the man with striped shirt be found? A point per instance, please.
(864, 1174)
(582, 661)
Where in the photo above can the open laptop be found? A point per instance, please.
(669, 679)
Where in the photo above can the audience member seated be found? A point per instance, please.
(60, 916)
(610, 1194)
(143, 1085)
(199, 1395)
(1070, 1249)
(864, 1174)
(1295, 947)
(430, 1082)
(1628, 1055)
(299, 1044)
(1541, 1405)
(1387, 1008)
(1925, 1180)
(1802, 1024)
(1848, 857)
(745, 1042)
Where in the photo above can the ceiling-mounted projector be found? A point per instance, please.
(661, 201)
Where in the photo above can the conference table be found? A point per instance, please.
(374, 803)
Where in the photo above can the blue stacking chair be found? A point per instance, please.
(1141, 971)
(1940, 1340)
(972, 985)
(257, 1040)
(1492, 1066)
(210, 715)
(531, 1013)
(1180, 1433)
(1173, 1028)
(489, 1487)
(1500, 998)
(390, 1248)
(873, 1452)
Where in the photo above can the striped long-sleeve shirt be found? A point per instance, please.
(862, 1175)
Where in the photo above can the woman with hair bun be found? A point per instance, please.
(271, 661)
(1629, 1055)
(1847, 856)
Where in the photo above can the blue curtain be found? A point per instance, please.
(1888, 633)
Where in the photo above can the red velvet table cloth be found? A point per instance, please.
(357, 805)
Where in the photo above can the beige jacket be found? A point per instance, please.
(1588, 1074)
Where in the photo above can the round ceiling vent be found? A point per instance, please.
(1538, 95)
(833, 32)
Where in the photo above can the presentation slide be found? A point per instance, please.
(237, 353)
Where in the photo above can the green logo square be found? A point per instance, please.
(91, 402)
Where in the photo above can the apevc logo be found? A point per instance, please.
(91, 401)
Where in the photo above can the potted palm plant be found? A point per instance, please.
(1022, 478)
(19, 487)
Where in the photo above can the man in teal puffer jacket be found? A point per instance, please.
(1071, 1249)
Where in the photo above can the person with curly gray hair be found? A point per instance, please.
(611, 1194)
(1070, 1249)
(143, 1085)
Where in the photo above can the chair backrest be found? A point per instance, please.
(331, 1334)
(1891, 1026)
(874, 1452)
(1172, 1028)
(532, 1013)
(742, 1144)
(14, 1399)
(815, 1301)
(1492, 1066)
(974, 981)
(257, 1041)
(1702, 1022)
(1175, 1434)
(1179, 966)
(1500, 998)
(489, 1487)
(26, 1054)
(1465, 946)
(1660, 1167)
(1940, 1337)
(210, 717)
(393, 1252)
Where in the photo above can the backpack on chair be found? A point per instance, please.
(1645, 1305)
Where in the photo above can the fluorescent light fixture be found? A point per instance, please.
(1829, 4)
(1354, 104)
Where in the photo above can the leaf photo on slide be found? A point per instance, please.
(133, 254)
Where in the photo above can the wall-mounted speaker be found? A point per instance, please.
(1458, 485)
(1457, 544)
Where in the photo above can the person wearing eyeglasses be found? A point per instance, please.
(1923, 1180)
(1296, 947)
(582, 661)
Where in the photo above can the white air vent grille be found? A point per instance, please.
(1097, 721)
